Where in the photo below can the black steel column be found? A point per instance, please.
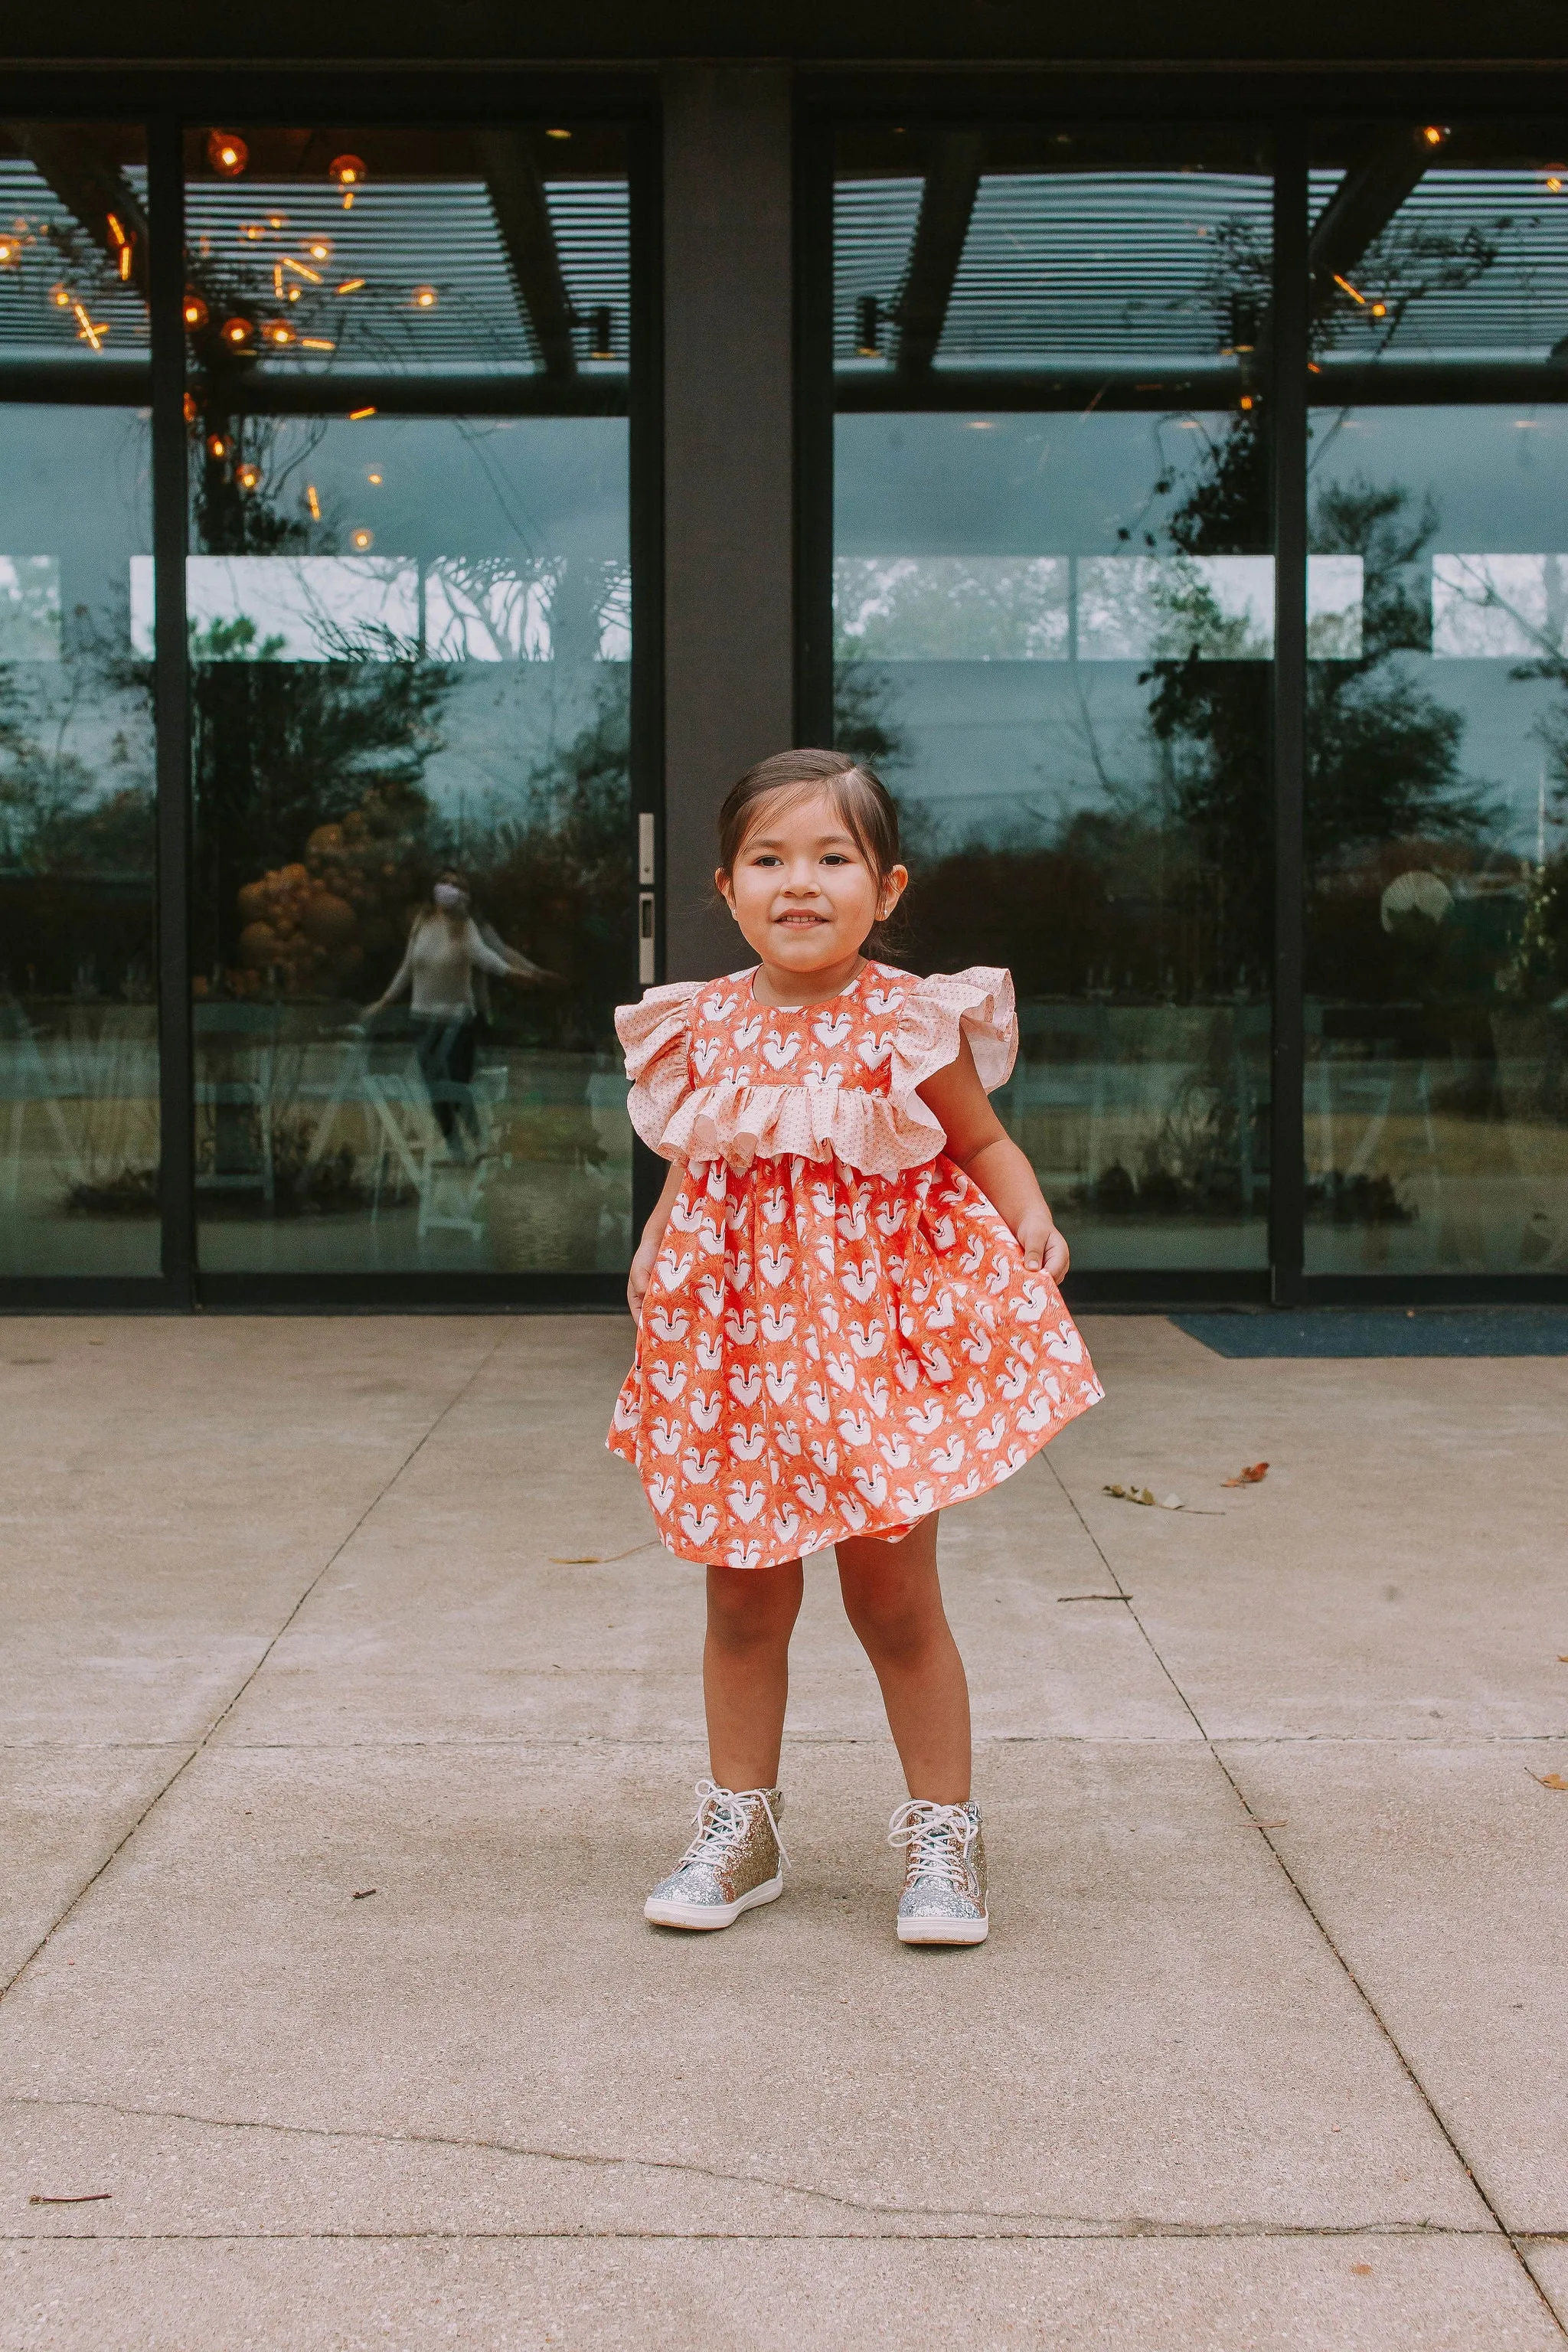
(1287, 1186)
(171, 703)
(729, 448)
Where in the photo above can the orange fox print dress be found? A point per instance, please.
(840, 1335)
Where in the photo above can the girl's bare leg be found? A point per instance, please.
(745, 1670)
(893, 1600)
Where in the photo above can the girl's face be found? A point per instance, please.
(801, 889)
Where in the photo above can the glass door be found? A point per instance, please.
(1437, 785)
(409, 616)
(1053, 632)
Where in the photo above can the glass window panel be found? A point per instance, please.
(410, 632)
(1053, 591)
(78, 1034)
(1436, 1105)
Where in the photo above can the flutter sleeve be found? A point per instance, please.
(937, 1016)
(654, 1033)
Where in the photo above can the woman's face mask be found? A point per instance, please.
(447, 894)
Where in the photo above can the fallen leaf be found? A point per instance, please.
(1152, 1502)
(1253, 1476)
(1550, 1780)
(1362, 2270)
(1562, 1657)
(361, 1892)
(93, 2197)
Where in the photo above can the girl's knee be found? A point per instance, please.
(752, 1608)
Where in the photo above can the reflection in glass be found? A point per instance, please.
(1054, 602)
(79, 1037)
(1437, 1101)
(410, 633)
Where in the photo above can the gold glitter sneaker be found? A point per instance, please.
(943, 1901)
(732, 1864)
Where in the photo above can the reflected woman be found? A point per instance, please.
(445, 960)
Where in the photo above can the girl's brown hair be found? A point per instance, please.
(859, 797)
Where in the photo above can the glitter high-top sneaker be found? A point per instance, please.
(732, 1864)
(943, 1901)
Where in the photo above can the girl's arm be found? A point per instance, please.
(977, 1139)
(401, 978)
(647, 1249)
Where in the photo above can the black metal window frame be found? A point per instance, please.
(167, 105)
(1285, 109)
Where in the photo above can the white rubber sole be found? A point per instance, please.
(673, 1914)
(944, 1931)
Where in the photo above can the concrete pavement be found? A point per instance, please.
(333, 1781)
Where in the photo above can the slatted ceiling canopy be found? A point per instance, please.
(399, 237)
(1515, 307)
(54, 248)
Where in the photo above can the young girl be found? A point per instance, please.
(847, 1318)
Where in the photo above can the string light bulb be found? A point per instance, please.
(10, 252)
(313, 502)
(1554, 183)
(1434, 133)
(363, 539)
(278, 331)
(247, 476)
(424, 297)
(227, 153)
(320, 248)
(558, 134)
(193, 311)
(62, 298)
(188, 407)
(218, 447)
(237, 333)
(348, 171)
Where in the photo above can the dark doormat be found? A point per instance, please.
(1383, 1331)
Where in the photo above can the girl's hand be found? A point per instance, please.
(641, 1273)
(1042, 1243)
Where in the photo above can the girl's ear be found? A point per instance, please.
(722, 885)
(895, 882)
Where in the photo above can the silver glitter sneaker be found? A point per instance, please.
(943, 1901)
(730, 1866)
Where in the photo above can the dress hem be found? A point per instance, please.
(825, 1533)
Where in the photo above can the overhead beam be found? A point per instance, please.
(91, 190)
(947, 202)
(523, 217)
(1362, 206)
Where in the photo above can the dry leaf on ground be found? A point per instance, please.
(1253, 1476)
(1550, 1780)
(1152, 1502)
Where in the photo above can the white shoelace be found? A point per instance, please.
(721, 1821)
(939, 1838)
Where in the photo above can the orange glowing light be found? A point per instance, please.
(348, 171)
(237, 333)
(1434, 135)
(375, 478)
(1246, 400)
(277, 220)
(356, 413)
(313, 502)
(350, 285)
(294, 293)
(227, 153)
(61, 297)
(254, 231)
(558, 134)
(112, 226)
(218, 447)
(363, 539)
(188, 407)
(1349, 289)
(320, 248)
(193, 311)
(1553, 184)
(86, 332)
(247, 476)
(299, 270)
(316, 344)
(9, 251)
(424, 297)
(1380, 310)
(278, 330)
(125, 264)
